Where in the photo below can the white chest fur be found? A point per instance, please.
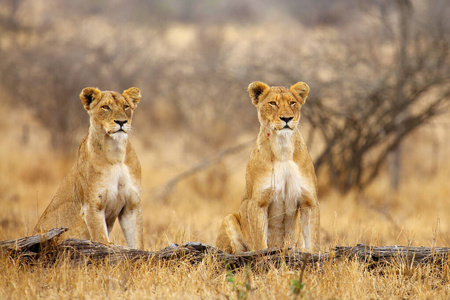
(285, 180)
(116, 186)
(116, 147)
(282, 145)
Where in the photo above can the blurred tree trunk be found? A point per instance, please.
(14, 4)
(395, 160)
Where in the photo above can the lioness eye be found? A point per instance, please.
(292, 103)
(105, 107)
(273, 103)
(126, 106)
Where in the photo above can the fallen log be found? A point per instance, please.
(31, 243)
(47, 249)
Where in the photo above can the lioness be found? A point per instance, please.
(280, 180)
(105, 183)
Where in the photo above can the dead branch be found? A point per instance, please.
(29, 244)
(47, 250)
(166, 189)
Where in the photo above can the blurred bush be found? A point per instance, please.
(377, 69)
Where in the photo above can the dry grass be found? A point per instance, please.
(416, 215)
(346, 280)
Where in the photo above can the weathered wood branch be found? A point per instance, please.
(165, 190)
(47, 249)
(29, 244)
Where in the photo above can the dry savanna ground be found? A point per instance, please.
(416, 215)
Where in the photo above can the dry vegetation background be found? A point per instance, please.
(376, 122)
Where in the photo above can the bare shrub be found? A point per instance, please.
(373, 100)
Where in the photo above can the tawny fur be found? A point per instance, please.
(280, 204)
(105, 183)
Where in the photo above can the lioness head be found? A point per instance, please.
(278, 107)
(110, 111)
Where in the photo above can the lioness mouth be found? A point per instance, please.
(120, 130)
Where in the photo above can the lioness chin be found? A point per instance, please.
(281, 194)
(105, 183)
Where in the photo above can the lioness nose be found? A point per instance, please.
(120, 122)
(286, 119)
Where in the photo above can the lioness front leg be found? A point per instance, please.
(130, 219)
(95, 222)
(310, 220)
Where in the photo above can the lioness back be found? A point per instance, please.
(105, 183)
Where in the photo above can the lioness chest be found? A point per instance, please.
(115, 187)
(286, 184)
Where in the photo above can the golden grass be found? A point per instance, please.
(417, 214)
(344, 280)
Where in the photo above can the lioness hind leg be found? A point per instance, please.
(230, 235)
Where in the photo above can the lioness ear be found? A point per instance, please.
(300, 91)
(89, 95)
(258, 91)
(133, 95)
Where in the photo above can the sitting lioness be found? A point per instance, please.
(105, 183)
(281, 194)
